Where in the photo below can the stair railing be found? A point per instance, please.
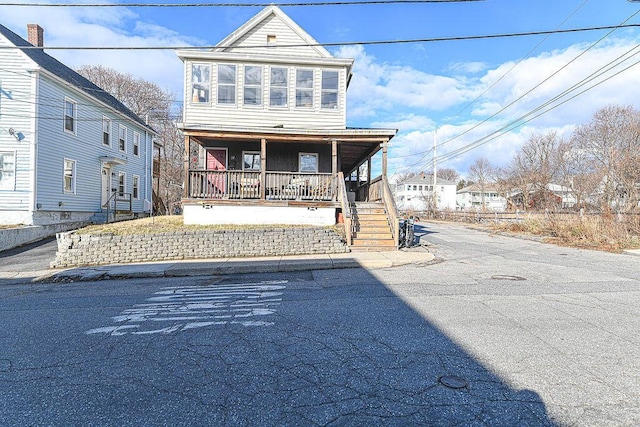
(392, 211)
(346, 207)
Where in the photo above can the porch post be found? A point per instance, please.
(187, 151)
(334, 157)
(263, 168)
(369, 170)
(384, 158)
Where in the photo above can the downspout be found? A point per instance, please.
(34, 145)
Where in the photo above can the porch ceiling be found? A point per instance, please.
(354, 145)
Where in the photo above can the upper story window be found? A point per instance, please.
(106, 131)
(278, 86)
(226, 84)
(69, 175)
(136, 144)
(304, 88)
(252, 85)
(70, 115)
(329, 92)
(7, 170)
(122, 138)
(200, 82)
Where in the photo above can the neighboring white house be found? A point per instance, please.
(67, 148)
(265, 129)
(472, 198)
(416, 193)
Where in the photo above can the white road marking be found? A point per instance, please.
(196, 307)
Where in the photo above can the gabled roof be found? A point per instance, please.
(474, 188)
(65, 73)
(259, 20)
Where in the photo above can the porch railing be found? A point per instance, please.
(208, 184)
(346, 208)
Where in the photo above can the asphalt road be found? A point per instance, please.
(499, 331)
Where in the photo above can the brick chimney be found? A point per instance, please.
(35, 35)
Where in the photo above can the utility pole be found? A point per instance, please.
(435, 144)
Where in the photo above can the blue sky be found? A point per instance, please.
(457, 87)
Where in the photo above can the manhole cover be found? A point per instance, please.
(507, 277)
(453, 381)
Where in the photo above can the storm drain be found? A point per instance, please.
(453, 381)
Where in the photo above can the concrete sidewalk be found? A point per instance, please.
(206, 267)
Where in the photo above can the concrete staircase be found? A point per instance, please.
(371, 228)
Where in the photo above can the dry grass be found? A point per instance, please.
(163, 224)
(604, 232)
(10, 226)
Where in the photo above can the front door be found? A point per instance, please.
(106, 185)
(217, 161)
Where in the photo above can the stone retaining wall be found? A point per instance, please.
(84, 249)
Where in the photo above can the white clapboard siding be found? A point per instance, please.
(17, 112)
(288, 42)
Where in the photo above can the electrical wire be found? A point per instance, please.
(335, 44)
(320, 3)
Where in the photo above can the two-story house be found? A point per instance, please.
(477, 198)
(69, 151)
(417, 193)
(265, 130)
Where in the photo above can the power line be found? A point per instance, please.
(320, 3)
(334, 44)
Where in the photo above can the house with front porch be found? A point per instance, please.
(266, 140)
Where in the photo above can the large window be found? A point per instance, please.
(122, 138)
(304, 88)
(226, 84)
(106, 131)
(135, 188)
(70, 113)
(278, 87)
(329, 89)
(7, 170)
(308, 162)
(200, 82)
(252, 85)
(136, 144)
(69, 176)
(251, 161)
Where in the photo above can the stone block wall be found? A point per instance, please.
(85, 249)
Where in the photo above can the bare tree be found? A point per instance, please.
(150, 102)
(481, 172)
(610, 143)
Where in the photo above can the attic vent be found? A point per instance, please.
(271, 40)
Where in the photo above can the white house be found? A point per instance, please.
(68, 150)
(472, 197)
(265, 129)
(416, 193)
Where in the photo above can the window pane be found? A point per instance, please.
(226, 94)
(278, 77)
(7, 169)
(252, 75)
(68, 175)
(201, 82)
(330, 100)
(330, 80)
(304, 78)
(251, 161)
(252, 96)
(304, 98)
(226, 74)
(278, 97)
(200, 73)
(308, 163)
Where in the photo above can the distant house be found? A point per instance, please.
(265, 129)
(69, 151)
(473, 197)
(553, 196)
(416, 193)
